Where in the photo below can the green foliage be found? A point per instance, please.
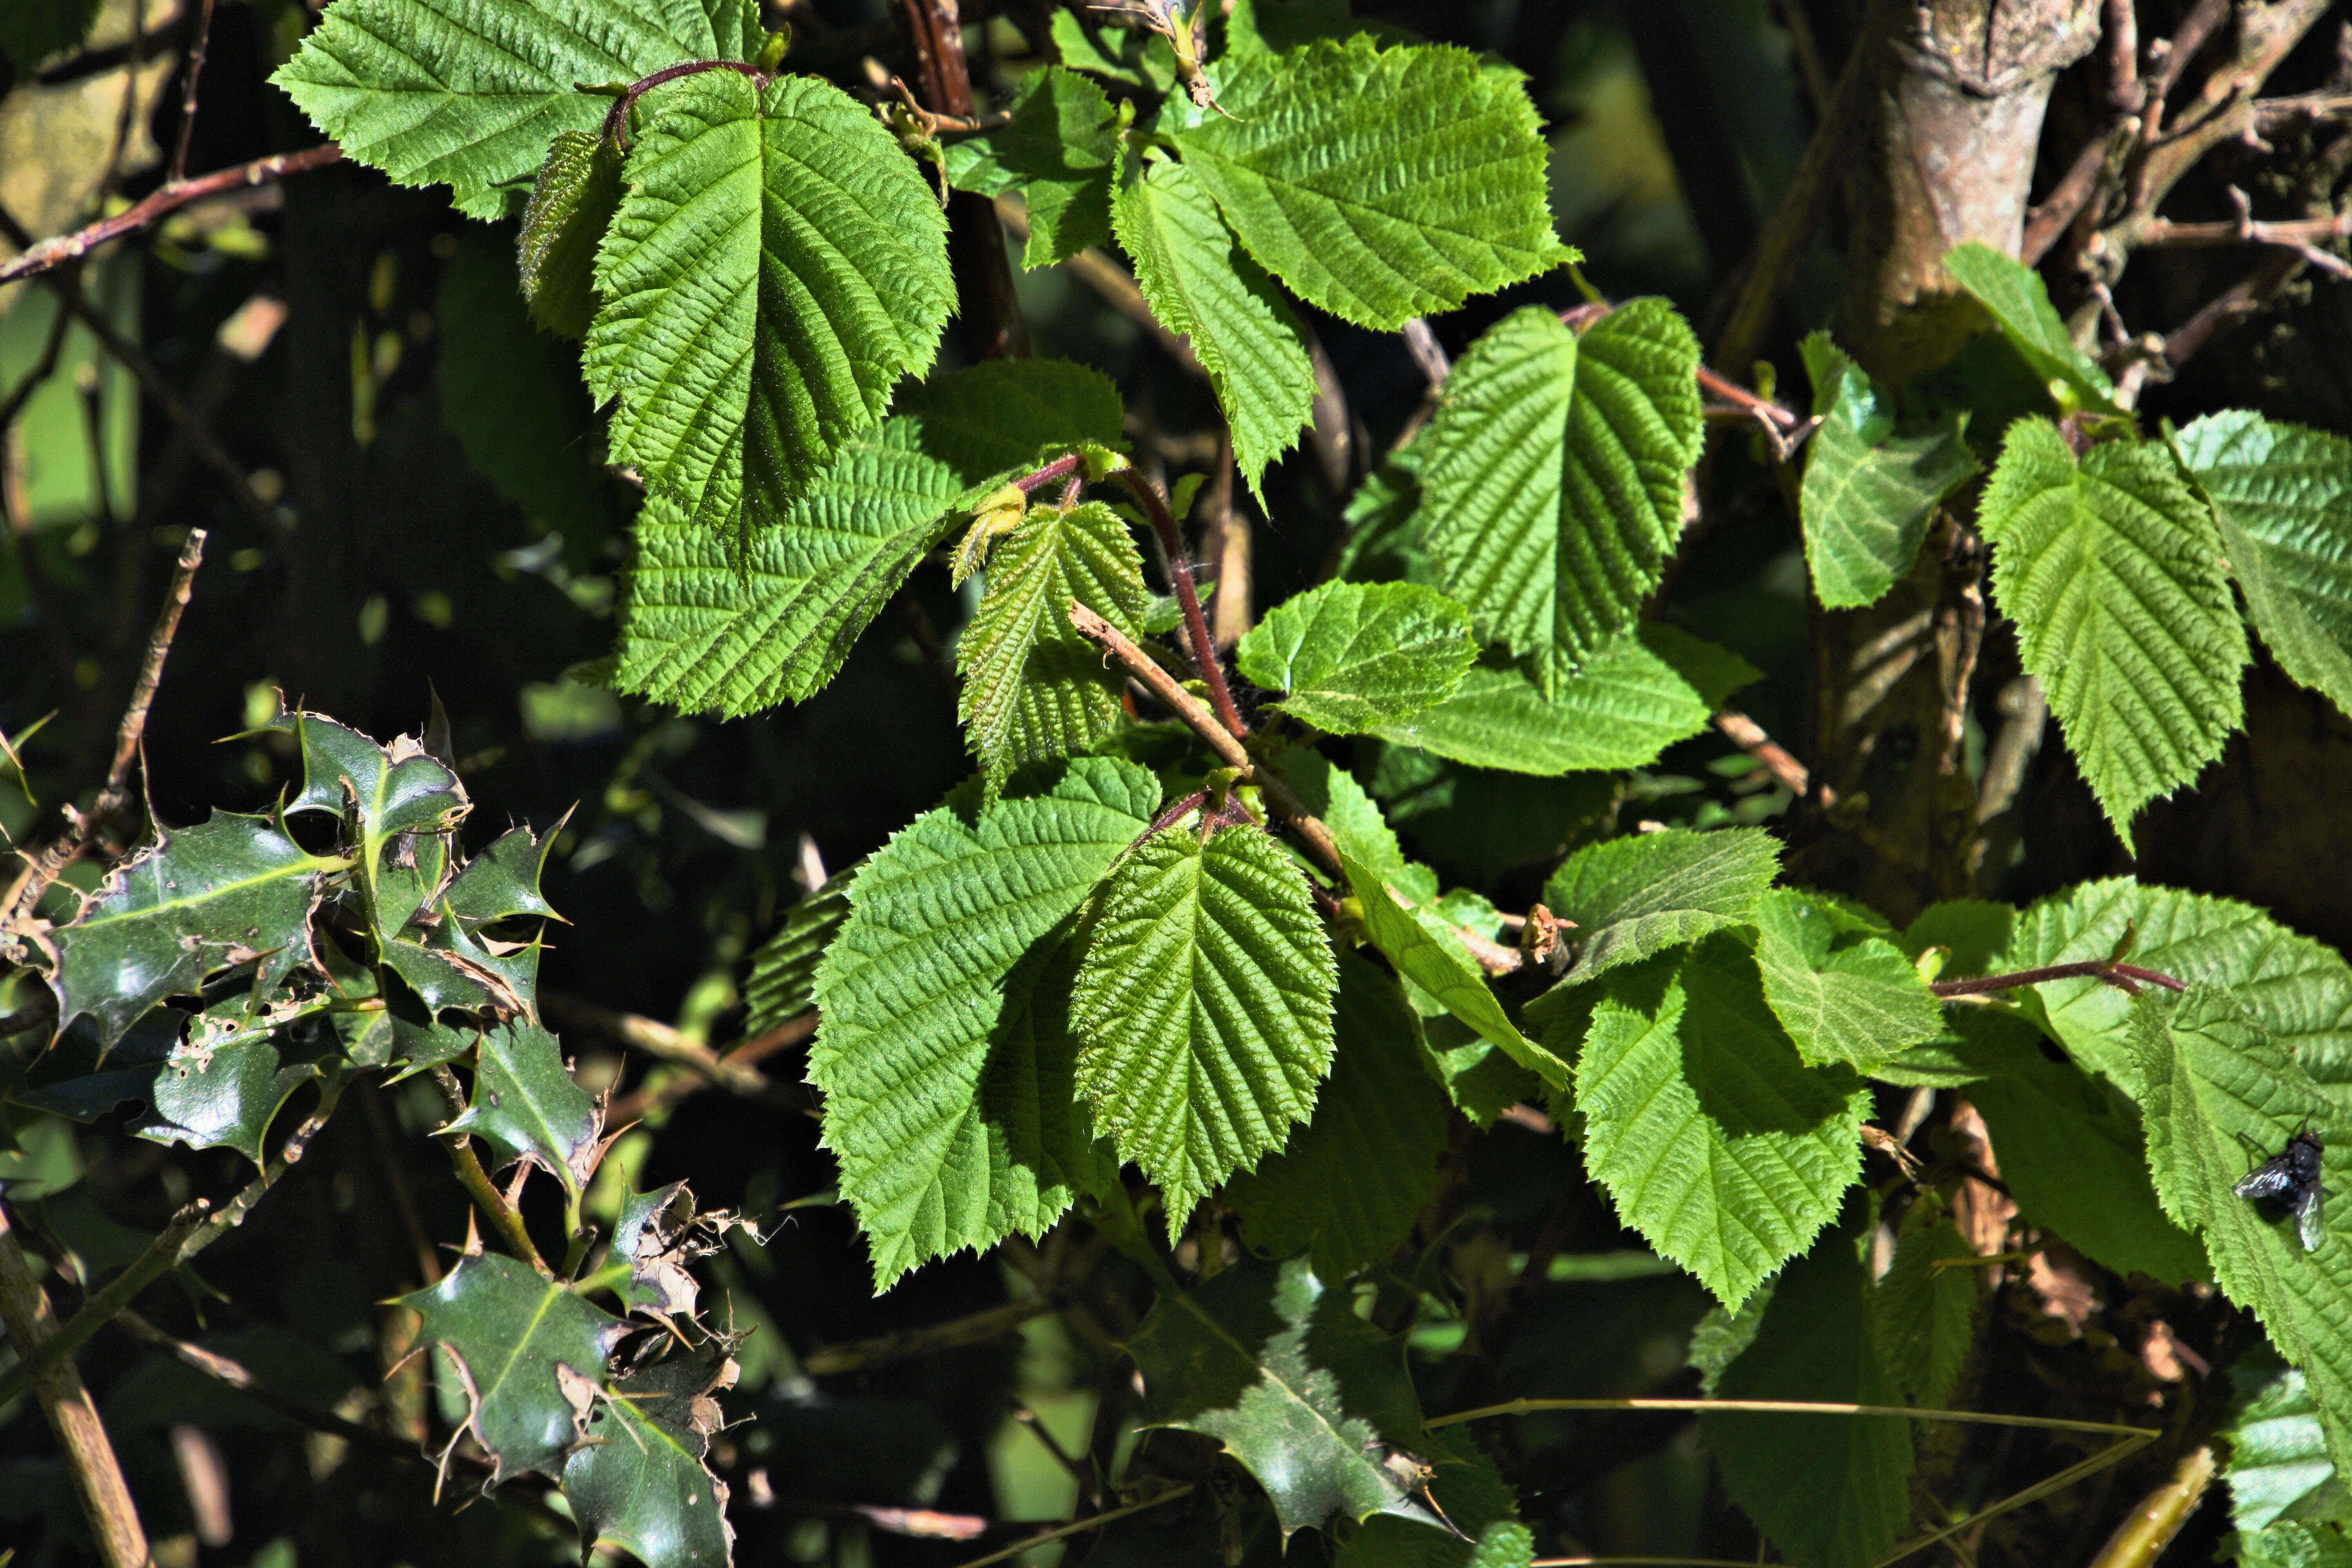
(1631, 897)
(2282, 497)
(1869, 491)
(2278, 1463)
(1553, 481)
(2293, 1544)
(1379, 184)
(1346, 1188)
(1711, 1133)
(638, 1482)
(223, 1096)
(783, 981)
(34, 30)
(571, 204)
(1837, 983)
(526, 1107)
(944, 1054)
(1353, 657)
(785, 220)
(2113, 573)
(1923, 1312)
(470, 93)
(2014, 295)
(1202, 1008)
(1056, 149)
(1200, 284)
(1033, 688)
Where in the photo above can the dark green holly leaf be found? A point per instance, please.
(392, 789)
(638, 1482)
(512, 1333)
(502, 881)
(1056, 148)
(526, 1107)
(226, 1095)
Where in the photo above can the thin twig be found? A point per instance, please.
(661, 1041)
(1113, 283)
(975, 1328)
(1077, 1527)
(651, 1098)
(2302, 235)
(1749, 735)
(54, 253)
(191, 69)
(1179, 563)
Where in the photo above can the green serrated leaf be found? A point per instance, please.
(2293, 1544)
(1713, 1138)
(943, 1052)
(1128, 55)
(231, 891)
(705, 638)
(571, 204)
(2300, 991)
(2279, 1467)
(1869, 493)
(1335, 797)
(1633, 897)
(2283, 496)
(1627, 704)
(1056, 148)
(468, 93)
(526, 1107)
(1379, 184)
(1348, 1185)
(1032, 687)
(1260, 1359)
(638, 1482)
(1553, 480)
(2221, 1094)
(1203, 1008)
(2014, 293)
(1355, 657)
(2112, 571)
(1837, 983)
(786, 223)
(2077, 1162)
(1828, 1491)
(783, 982)
(509, 1330)
(1200, 284)
(1923, 1317)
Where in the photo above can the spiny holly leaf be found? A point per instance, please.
(470, 92)
(231, 891)
(1354, 656)
(1379, 185)
(1922, 1316)
(2218, 1086)
(1258, 1359)
(502, 881)
(1715, 1140)
(1350, 1180)
(638, 1482)
(509, 1331)
(2298, 990)
(647, 1234)
(1869, 493)
(1633, 897)
(1032, 687)
(1837, 983)
(782, 983)
(1056, 148)
(571, 204)
(2279, 1467)
(526, 1107)
(786, 224)
(705, 638)
(225, 1097)
(2282, 495)
(2112, 571)
(1200, 284)
(1447, 974)
(1828, 1491)
(1203, 1008)
(2013, 293)
(944, 1061)
(1628, 703)
(2075, 1160)
(1553, 482)
(380, 792)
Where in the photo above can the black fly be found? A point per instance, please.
(2292, 1181)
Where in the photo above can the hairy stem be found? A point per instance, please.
(1179, 576)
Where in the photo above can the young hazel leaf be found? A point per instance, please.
(1869, 493)
(1922, 1317)
(571, 204)
(2112, 570)
(2014, 294)
(1354, 656)
(1203, 1008)
(784, 226)
(1034, 689)
(1553, 482)
(1379, 184)
(1837, 983)
(2279, 1467)
(468, 93)
(1633, 897)
(2283, 496)
(943, 1055)
(1201, 285)
(1713, 1138)
(1056, 148)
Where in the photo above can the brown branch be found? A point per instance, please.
(2046, 224)
(2302, 235)
(1770, 756)
(2125, 977)
(991, 310)
(54, 253)
(2233, 305)
(89, 1457)
(193, 67)
(650, 1099)
(664, 1043)
(2171, 56)
(1177, 560)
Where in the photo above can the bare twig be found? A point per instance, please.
(2125, 977)
(1749, 735)
(975, 1328)
(2046, 224)
(236, 1374)
(89, 1457)
(665, 1043)
(1077, 1527)
(2170, 57)
(2233, 305)
(193, 68)
(54, 253)
(645, 1101)
(2302, 235)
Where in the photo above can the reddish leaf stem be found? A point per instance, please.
(2126, 977)
(616, 122)
(1179, 576)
